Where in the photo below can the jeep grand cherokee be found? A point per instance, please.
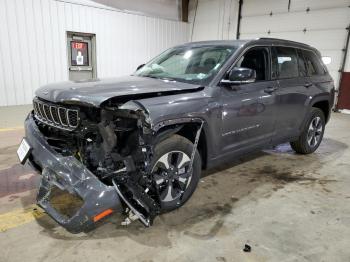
(138, 144)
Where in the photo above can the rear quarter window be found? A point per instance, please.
(301, 64)
(286, 62)
(313, 63)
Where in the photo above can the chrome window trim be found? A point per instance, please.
(243, 49)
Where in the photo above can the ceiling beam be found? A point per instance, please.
(184, 10)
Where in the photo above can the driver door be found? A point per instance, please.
(249, 110)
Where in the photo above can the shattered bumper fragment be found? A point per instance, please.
(67, 174)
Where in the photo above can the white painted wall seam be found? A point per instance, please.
(11, 66)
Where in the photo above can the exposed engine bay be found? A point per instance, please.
(115, 143)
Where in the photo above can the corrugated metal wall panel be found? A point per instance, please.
(33, 48)
(3, 90)
(168, 9)
(213, 19)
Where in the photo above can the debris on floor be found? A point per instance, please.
(130, 217)
(247, 248)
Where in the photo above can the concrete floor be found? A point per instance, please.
(287, 207)
(13, 116)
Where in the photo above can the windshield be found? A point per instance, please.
(195, 65)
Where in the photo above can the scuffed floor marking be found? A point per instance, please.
(19, 217)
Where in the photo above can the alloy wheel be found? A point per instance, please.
(172, 175)
(314, 133)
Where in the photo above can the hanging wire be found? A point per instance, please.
(194, 20)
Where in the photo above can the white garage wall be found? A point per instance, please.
(213, 19)
(325, 25)
(347, 64)
(169, 9)
(33, 42)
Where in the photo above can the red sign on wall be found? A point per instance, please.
(79, 53)
(79, 45)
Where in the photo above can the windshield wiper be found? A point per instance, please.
(149, 76)
(168, 78)
(161, 78)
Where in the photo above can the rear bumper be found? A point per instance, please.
(70, 175)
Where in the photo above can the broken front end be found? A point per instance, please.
(101, 156)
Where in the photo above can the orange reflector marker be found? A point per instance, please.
(102, 214)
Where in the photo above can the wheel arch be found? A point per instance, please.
(323, 104)
(186, 128)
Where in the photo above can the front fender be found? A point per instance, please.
(182, 109)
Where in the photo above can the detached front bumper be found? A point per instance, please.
(70, 175)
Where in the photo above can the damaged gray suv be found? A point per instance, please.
(137, 144)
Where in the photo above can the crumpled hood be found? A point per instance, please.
(95, 92)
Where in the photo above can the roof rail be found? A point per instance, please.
(279, 39)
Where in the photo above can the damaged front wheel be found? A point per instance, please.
(174, 177)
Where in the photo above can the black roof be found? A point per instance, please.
(218, 42)
(280, 41)
(240, 42)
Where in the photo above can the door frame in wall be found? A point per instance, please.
(92, 57)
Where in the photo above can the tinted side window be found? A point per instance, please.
(301, 64)
(258, 60)
(287, 62)
(314, 66)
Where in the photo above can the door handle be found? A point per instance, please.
(307, 85)
(270, 89)
(80, 68)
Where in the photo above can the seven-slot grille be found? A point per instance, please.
(55, 115)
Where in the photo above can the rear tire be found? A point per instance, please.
(169, 168)
(312, 134)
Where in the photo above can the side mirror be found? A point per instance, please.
(239, 76)
(140, 66)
